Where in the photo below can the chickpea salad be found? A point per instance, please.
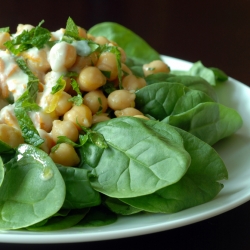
(95, 126)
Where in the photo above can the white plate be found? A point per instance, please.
(235, 152)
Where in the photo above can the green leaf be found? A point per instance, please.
(59, 222)
(79, 192)
(72, 29)
(27, 102)
(119, 207)
(60, 85)
(130, 166)
(77, 100)
(220, 75)
(163, 99)
(117, 53)
(32, 190)
(36, 37)
(134, 46)
(98, 216)
(1, 171)
(199, 185)
(5, 29)
(208, 121)
(198, 69)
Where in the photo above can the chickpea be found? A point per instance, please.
(82, 32)
(155, 66)
(96, 101)
(90, 78)
(84, 61)
(4, 37)
(125, 69)
(22, 27)
(37, 59)
(128, 112)
(100, 118)
(10, 135)
(7, 116)
(64, 128)
(66, 155)
(43, 120)
(63, 104)
(48, 141)
(62, 56)
(81, 115)
(101, 40)
(131, 82)
(121, 99)
(107, 62)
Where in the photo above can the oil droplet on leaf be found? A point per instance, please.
(46, 174)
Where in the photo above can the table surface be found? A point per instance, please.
(215, 32)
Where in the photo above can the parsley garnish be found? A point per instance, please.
(5, 29)
(116, 51)
(27, 102)
(77, 100)
(36, 37)
(60, 85)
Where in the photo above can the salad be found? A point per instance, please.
(94, 125)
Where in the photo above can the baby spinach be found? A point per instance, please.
(192, 82)
(32, 189)
(210, 74)
(131, 166)
(208, 121)
(119, 207)
(61, 222)
(135, 47)
(1, 171)
(163, 99)
(98, 216)
(79, 192)
(199, 185)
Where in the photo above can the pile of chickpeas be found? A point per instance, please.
(65, 117)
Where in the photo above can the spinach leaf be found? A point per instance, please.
(60, 222)
(208, 121)
(1, 171)
(138, 161)
(119, 207)
(98, 216)
(199, 185)
(135, 47)
(32, 190)
(210, 74)
(163, 99)
(79, 192)
(192, 82)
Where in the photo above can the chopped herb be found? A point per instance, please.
(116, 51)
(108, 87)
(65, 139)
(36, 37)
(95, 137)
(106, 73)
(77, 100)
(60, 85)
(5, 29)
(72, 29)
(27, 102)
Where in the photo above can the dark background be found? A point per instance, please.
(215, 32)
